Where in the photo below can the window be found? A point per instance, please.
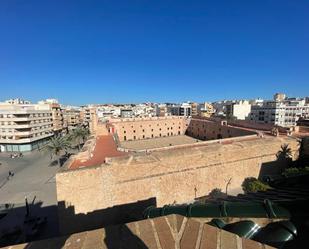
(124, 132)
(143, 136)
(134, 131)
(134, 137)
(143, 130)
(168, 133)
(152, 135)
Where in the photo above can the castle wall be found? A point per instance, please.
(170, 176)
(138, 128)
(208, 130)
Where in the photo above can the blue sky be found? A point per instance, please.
(134, 51)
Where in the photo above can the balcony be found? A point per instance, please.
(27, 125)
(24, 140)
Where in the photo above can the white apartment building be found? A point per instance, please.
(283, 113)
(24, 127)
(184, 109)
(239, 110)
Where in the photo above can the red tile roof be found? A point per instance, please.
(105, 147)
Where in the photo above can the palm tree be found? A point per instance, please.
(56, 145)
(285, 155)
(80, 134)
(285, 152)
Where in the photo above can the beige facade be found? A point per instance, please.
(23, 127)
(194, 109)
(89, 117)
(71, 118)
(208, 130)
(57, 114)
(147, 128)
(279, 96)
(238, 110)
(207, 110)
(144, 128)
(166, 177)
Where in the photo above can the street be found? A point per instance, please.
(34, 178)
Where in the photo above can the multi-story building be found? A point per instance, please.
(283, 113)
(195, 108)
(24, 127)
(239, 110)
(71, 117)
(126, 113)
(279, 96)
(162, 110)
(57, 114)
(207, 110)
(89, 117)
(184, 109)
(220, 107)
(17, 101)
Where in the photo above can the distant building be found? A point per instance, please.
(195, 108)
(89, 117)
(17, 101)
(220, 107)
(207, 110)
(239, 110)
(24, 127)
(283, 113)
(279, 97)
(57, 114)
(126, 113)
(184, 109)
(71, 117)
(162, 110)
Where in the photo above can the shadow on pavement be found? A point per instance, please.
(21, 223)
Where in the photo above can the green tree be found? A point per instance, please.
(284, 155)
(251, 184)
(216, 193)
(57, 145)
(80, 134)
(285, 152)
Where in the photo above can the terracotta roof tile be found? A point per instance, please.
(149, 234)
(105, 147)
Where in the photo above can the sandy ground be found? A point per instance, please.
(158, 142)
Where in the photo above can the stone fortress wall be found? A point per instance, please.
(147, 128)
(87, 198)
(208, 130)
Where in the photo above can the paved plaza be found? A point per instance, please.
(158, 142)
(34, 178)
